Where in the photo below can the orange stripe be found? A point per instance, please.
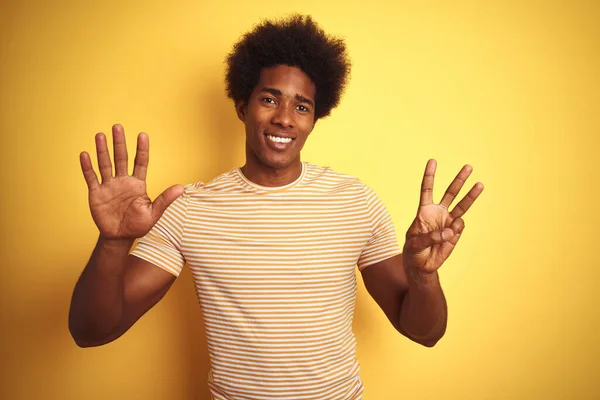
(274, 271)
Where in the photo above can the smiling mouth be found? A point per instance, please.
(279, 139)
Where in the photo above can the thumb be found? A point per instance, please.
(421, 242)
(165, 199)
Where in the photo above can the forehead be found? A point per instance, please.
(289, 80)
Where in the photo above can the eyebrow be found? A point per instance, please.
(277, 92)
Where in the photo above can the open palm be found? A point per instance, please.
(435, 231)
(120, 205)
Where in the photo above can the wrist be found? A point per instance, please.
(117, 245)
(421, 278)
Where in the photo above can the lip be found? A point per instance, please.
(280, 135)
(277, 146)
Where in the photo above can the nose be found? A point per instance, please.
(283, 116)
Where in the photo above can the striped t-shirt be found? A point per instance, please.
(274, 269)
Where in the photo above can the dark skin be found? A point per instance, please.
(407, 286)
(281, 105)
(116, 289)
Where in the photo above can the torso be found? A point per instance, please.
(275, 275)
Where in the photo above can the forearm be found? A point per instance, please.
(424, 312)
(97, 304)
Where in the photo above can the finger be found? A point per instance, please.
(454, 239)
(449, 246)
(104, 164)
(463, 206)
(88, 172)
(429, 239)
(457, 226)
(455, 186)
(120, 150)
(142, 156)
(427, 184)
(450, 239)
(164, 200)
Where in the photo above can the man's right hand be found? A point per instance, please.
(120, 205)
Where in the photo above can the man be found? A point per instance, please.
(273, 245)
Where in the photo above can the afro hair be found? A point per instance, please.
(296, 41)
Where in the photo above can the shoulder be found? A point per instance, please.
(335, 182)
(222, 183)
(323, 176)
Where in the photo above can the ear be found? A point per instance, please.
(240, 109)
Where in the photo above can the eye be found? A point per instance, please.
(268, 100)
(302, 108)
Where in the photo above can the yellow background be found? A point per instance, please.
(509, 87)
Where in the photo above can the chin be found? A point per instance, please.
(277, 162)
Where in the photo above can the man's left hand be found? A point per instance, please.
(435, 231)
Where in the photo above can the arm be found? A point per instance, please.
(415, 306)
(114, 290)
(407, 286)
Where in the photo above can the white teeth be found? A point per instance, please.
(278, 139)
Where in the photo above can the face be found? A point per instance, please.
(278, 117)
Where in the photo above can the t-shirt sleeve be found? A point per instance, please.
(162, 245)
(383, 243)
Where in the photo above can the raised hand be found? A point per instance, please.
(435, 231)
(120, 205)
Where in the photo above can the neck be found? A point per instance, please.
(264, 175)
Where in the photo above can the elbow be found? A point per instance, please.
(80, 338)
(428, 343)
(78, 333)
(88, 341)
(82, 342)
(85, 337)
